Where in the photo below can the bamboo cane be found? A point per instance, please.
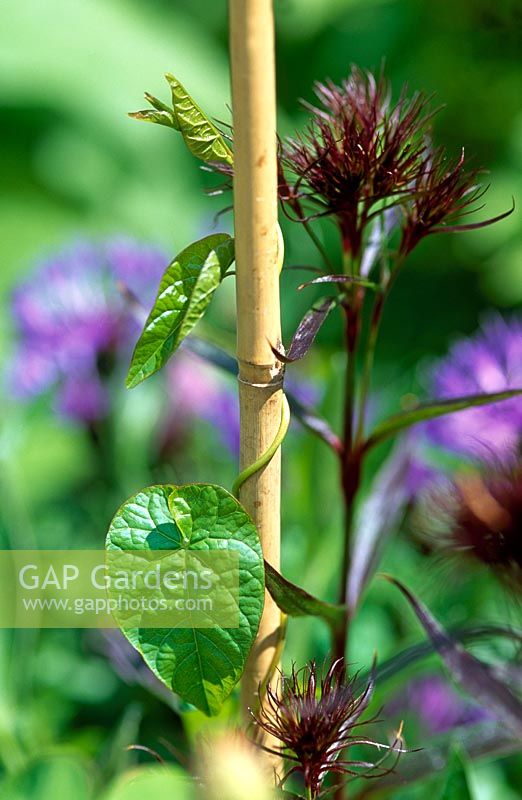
(257, 293)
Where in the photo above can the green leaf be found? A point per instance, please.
(398, 422)
(152, 782)
(456, 787)
(159, 117)
(201, 665)
(184, 293)
(295, 602)
(47, 776)
(160, 113)
(200, 134)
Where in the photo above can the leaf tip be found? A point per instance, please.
(132, 380)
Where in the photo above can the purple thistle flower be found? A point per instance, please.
(78, 317)
(491, 361)
(420, 475)
(73, 323)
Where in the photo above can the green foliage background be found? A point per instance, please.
(72, 164)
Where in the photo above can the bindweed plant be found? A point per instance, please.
(367, 163)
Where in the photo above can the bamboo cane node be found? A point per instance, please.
(260, 375)
(275, 383)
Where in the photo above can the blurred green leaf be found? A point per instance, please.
(422, 413)
(417, 652)
(457, 787)
(201, 666)
(153, 783)
(184, 293)
(49, 778)
(477, 741)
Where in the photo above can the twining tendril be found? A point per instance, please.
(268, 455)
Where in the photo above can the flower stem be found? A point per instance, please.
(366, 377)
(352, 456)
(373, 335)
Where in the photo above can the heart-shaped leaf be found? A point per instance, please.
(184, 293)
(200, 134)
(201, 665)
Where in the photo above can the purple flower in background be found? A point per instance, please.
(197, 390)
(73, 323)
(436, 705)
(491, 361)
(76, 321)
(419, 475)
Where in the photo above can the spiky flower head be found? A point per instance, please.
(316, 720)
(363, 155)
(442, 193)
(358, 151)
